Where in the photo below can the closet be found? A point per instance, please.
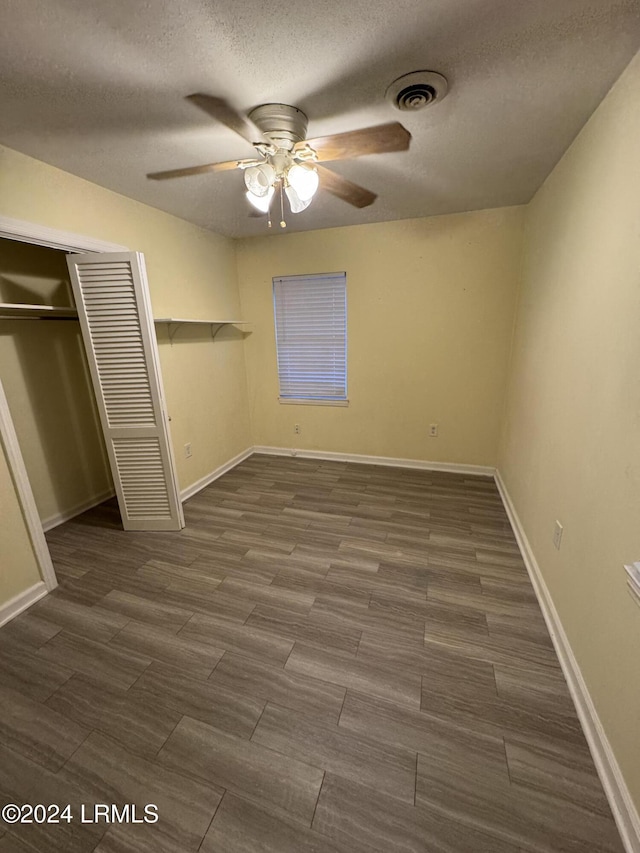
(81, 375)
(46, 380)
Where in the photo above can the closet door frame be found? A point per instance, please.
(53, 238)
(67, 241)
(27, 503)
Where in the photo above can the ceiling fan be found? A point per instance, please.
(288, 164)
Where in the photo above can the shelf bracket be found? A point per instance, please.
(218, 327)
(173, 324)
(173, 333)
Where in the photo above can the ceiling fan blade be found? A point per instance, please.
(200, 170)
(344, 189)
(223, 112)
(380, 139)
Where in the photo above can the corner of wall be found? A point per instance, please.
(520, 283)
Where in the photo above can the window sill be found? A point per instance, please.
(290, 401)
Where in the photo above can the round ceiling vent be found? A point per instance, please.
(417, 90)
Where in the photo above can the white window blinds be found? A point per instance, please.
(311, 336)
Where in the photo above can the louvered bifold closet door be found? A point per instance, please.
(112, 298)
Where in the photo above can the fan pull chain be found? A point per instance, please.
(283, 224)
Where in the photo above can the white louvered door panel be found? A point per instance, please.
(112, 298)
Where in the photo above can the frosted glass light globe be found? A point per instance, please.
(296, 204)
(259, 179)
(304, 180)
(261, 203)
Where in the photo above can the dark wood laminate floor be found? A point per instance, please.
(330, 658)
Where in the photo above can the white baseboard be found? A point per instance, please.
(388, 461)
(203, 482)
(622, 806)
(10, 609)
(60, 517)
(451, 467)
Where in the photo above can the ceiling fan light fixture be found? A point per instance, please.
(289, 163)
(262, 202)
(259, 179)
(304, 180)
(296, 204)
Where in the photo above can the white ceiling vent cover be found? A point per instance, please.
(417, 90)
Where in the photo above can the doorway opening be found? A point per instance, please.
(44, 371)
(39, 236)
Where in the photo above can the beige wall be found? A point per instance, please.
(571, 445)
(192, 273)
(430, 307)
(18, 567)
(44, 373)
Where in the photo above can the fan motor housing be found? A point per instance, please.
(283, 124)
(417, 90)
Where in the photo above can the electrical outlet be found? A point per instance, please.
(557, 535)
(296, 429)
(433, 430)
(187, 450)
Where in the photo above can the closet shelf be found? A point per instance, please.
(16, 310)
(179, 321)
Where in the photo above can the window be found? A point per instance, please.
(311, 337)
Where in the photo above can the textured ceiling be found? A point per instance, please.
(97, 87)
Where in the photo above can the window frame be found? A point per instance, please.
(308, 400)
